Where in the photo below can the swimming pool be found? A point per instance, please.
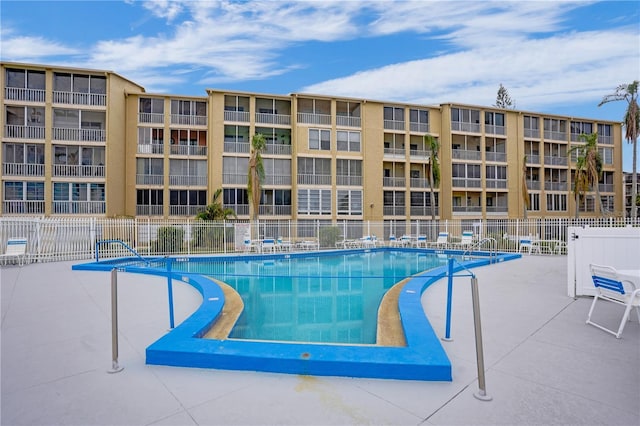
(421, 358)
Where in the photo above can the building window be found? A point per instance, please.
(349, 202)
(534, 202)
(25, 79)
(348, 172)
(605, 135)
(579, 128)
(314, 201)
(152, 105)
(348, 141)
(320, 139)
(556, 202)
(314, 171)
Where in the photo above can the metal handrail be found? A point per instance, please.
(493, 248)
(122, 243)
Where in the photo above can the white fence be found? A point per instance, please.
(55, 239)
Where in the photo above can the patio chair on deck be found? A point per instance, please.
(442, 241)
(466, 240)
(268, 244)
(16, 248)
(609, 286)
(421, 241)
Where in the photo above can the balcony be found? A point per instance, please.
(277, 180)
(419, 127)
(345, 121)
(605, 140)
(184, 210)
(467, 183)
(150, 117)
(146, 210)
(78, 170)
(420, 154)
(605, 187)
(494, 130)
(240, 209)
(532, 133)
(274, 210)
(79, 207)
(395, 182)
(22, 169)
(533, 159)
(393, 210)
(23, 207)
(496, 183)
(555, 160)
(188, 150)
(349, 180)
(23, 132)
(496, 156)
(311, 118)
(555, 186)
(467, 209)
(144, 179)
(84, 135)
(22, 94)
(187, 180)
(304, 179)
(151, 148)
(556, 136)
(393, 125)
(237, 116)
(77, 98)
(279, 119)
(497, 209)
(464, 154)
(423, 211)
(237, 147)
(419, 183)
(394, 152)
(277, 149)
(533, 184)
(189, 120)
(235, 179)
(462, 126)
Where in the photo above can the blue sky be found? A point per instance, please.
(553, 57)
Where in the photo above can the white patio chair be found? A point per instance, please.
(610, 287)
(17, 249)
(466, 240)
(442, 241)
(525, 244)
(421, 241)
(268, 245)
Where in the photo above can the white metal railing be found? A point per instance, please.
(280, 119)
(423, 211)
(555, 161)
(555, 186)
(465, 154)
(187, 180)
(605, 140)
(278, 180)
(150, 117)
(177, 210)
(150, 148)
(142, 179)
(462, 126)
(189, 120)
(346, 121)
(23, 207)
(304, 179)
(79, 207)
(466, 183)
(557, 136)
(496, 156)
(277, 149)
(349, 180)
(188, 150)
(85, 135)
(605, 187)
(235, 179)
(77, 98)
(418, 127)
(420, 154)
(237, 116)
(22, 169)
(494, 130)
(394, 152)
(419, 183)
(496, 183)
(467, 209)
(239, 147)
(532, 133)
(533, 159)
(23, 132)
(275, 210)
(393, 210)
(24, 94)
(396, 182)
(393, 125)
(533, 184)
(72, 170)
(149, 210)
(312, 118)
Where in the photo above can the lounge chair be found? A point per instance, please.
(421, 241)
(466, 241)
(17, 249)
(441, 242)
(609, 286)
(268, 244)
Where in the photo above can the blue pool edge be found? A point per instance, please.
(423, 358)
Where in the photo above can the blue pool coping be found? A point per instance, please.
(423, 357)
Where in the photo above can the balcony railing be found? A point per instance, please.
(345, 121)
(187, 180)
(23, 132)
(23, 207)
(496, 156)
(605, 187)
(314, 179)
(556, 136)
(22, 169)
(277, 180)
(555, 186)
(79, 207)
(235, 179)
(462, 126)
(393, 210)
(349, 180)
(420, 154)
(419, 183)
(239, 147)
(150, 117)
(533, 184)
(533, 159)
(423, 211)
(275, 210)
(555, 160)
(277, 149)
(184, 210)
(189, 120)
(280, 119)
(23, 94)
(237, 116)
(605, 140)
(73, 170)
(151, 148)
(240, 209)
(467, 183)
(465, 154)
(76, 98)
(311, 118)
(494, 130)
(496, 183)
(394, 152)
(149, 179)
(85, 135)
(188, 150)
(419, 127)
(393, 125)
(148, 210)
(467, 209)
(396, 182)
(532, 133)
(497, 209)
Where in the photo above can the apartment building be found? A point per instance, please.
(91, 142)
(628, 192)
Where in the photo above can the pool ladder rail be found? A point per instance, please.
(493, 248)
(122, 243)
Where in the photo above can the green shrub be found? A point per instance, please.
(329, 236)
(170, 239)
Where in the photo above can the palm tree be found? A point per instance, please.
(256, 174)
(588, 169)
(629, 93)
(525, 189)
(434, 170)
(215, 211)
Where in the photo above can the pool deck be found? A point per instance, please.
(544, 364)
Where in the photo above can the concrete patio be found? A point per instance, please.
(544, 364)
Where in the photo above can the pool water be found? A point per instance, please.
(324, 299)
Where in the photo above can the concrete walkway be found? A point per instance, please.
(544, 364)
